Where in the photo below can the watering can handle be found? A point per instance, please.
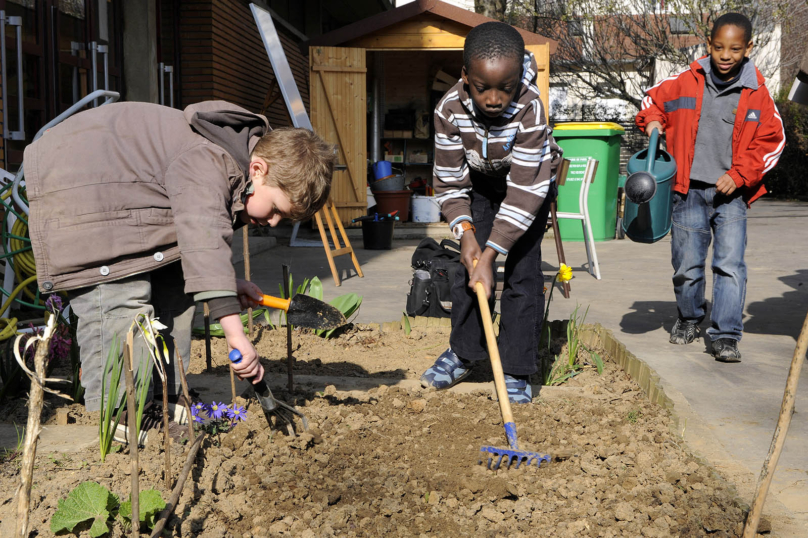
(653, 145)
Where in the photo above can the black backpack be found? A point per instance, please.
(431, 285)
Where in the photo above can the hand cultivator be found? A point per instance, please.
(283, 412)
(512, 454)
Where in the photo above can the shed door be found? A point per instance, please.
(338, 114)
(542, 55)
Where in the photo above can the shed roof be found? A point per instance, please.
(464, 19)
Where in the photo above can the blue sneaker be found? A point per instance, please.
(519, 390)
(447, 371)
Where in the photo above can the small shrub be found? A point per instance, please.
(787, 179)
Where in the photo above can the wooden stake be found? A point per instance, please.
(185, 393)
(131, 413)
(208, 354)
(175, 495)
(247, 278)
(166, 438)
(290, 360)
(233, 386)
(32, 430)
(779, 437)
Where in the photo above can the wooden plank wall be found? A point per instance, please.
(223, 57)
(339, 115)
(542, 55)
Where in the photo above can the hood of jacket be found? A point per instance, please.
(234, 129)
(523, 92)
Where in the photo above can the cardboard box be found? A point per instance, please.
(418, 157)
(394, 157)
(388, 134)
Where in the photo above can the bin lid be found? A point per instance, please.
(588, 128)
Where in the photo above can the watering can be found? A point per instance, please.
(649, 197)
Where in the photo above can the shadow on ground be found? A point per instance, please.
(782, 315)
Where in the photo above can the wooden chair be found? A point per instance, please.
(552, 221)
(328, 212)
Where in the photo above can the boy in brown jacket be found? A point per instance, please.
(122, 192)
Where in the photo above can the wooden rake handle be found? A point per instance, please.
(493, 353)
(779, 437)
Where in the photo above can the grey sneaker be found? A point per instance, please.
(684, 332)
(726, 350)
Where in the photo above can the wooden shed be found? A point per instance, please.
(390, 62)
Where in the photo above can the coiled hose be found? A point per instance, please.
(8, 326)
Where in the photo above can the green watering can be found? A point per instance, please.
(649, 198)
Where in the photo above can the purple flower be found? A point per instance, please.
(237, 413)
(197, 418)
(54, 304)
(198, 407)
(216, 410)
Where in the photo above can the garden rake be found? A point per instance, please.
(285, 413)
(512, 455)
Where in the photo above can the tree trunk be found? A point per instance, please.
(493, 9)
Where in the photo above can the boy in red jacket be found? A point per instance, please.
(725, 133)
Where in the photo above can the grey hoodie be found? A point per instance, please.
(126, 188)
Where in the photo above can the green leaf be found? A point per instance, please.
(89, 500)
(407, 328)
(348, 304)
(598, 362)
(316, 288)
(151, 503)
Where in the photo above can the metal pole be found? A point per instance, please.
(161, 68)
(93, 56)
(375, 124)
(290, 361)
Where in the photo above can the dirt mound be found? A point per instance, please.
(392, 462)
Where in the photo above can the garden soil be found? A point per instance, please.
(397, 462)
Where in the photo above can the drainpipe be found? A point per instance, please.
(376, 121)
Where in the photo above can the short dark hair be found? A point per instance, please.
(493, 40)
(735, 19)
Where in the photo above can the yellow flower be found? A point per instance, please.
(564, 273)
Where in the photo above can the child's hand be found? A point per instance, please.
(725, 185)
(654, 125)
(469, 250)
(248, 293)
(484, 272)
(250, 366)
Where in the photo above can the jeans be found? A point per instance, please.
(699, 216)
(106, 311)
(522, 300)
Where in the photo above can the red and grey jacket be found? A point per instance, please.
(757, 135)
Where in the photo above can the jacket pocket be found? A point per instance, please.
(77, 243)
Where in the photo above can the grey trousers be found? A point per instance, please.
(106, 311)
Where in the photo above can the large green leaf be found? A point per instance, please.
(151, 503)
(316, 288)
(348, 304)
(88, 501)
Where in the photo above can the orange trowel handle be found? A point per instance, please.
(275, 302)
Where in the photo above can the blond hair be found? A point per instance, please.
(301, 165)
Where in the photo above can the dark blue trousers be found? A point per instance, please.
(522, 300)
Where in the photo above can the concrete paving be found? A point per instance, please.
(730, 409)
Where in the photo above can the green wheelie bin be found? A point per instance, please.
(580, 141)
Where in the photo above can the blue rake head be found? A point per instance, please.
(495, 457)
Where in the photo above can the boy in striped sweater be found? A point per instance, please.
(494, 177)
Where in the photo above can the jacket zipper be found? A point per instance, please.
(485, 146)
